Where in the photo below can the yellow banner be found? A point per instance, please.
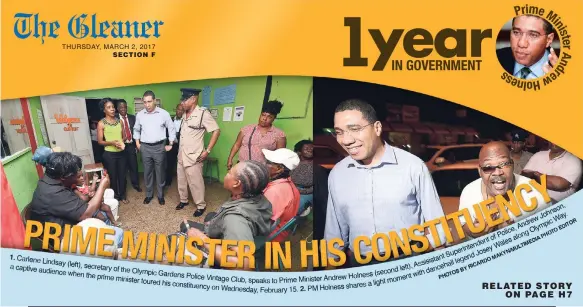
(51, 48)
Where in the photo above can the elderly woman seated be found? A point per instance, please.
(281, 192)
(54, 199)
(246, 216)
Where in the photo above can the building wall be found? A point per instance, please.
(22, 176)
(295, 119)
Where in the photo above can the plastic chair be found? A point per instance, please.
(306, 201)
(209, 165)
(291, 224)
(261, 240)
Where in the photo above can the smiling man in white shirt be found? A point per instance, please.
(497, 177)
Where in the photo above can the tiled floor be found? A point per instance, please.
(155, 218)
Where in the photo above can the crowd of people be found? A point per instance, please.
(379, 188)
(269, 184)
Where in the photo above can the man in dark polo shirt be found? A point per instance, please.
(54, 199)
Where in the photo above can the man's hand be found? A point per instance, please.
(202, 156)
(138, 145)
(552, 62)
(486, 230)
(168, 147)
(195, 233)
(536, 176)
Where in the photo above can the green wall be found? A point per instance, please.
(22, 176)
(35, 107)
(295, 119)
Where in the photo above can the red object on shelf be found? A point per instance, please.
(13, 231)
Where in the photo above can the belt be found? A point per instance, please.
(153, 144)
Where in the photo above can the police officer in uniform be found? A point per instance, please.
(191, 152)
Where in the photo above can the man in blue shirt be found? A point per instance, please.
(150, 136)
(377, 188)
(528, 57)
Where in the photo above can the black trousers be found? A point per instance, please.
(132, 162)
(116, 165)
(171, 161)
(97, 152)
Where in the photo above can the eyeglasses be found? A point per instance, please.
(353, 130)
(488, 169)
(530, 35)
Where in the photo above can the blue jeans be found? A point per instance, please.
(305, 200)
(118, 236)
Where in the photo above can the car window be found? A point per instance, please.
(427, 154)
(457, 154)
(325, 152)
(450, 183)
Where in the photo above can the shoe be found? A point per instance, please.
(161, 201)
(138, 189)
(198, 212)
(147, 200)
(181, 206)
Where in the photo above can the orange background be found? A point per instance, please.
(208, 39)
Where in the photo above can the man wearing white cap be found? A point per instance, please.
(281, 191)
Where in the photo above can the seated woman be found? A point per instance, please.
(243, 218)
(86, 192)
(54, 199)
(303, 175)
(255, 137)
(281, 191)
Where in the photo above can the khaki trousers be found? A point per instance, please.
(191, 177)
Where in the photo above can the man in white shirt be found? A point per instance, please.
(172, 155)
(562, 168)
(497, 177)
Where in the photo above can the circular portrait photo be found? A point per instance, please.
(528, 47)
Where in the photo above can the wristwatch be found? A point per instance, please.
(208, 151)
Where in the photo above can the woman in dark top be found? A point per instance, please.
(246, 216)
(303, 174)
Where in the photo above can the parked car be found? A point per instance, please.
(439, 156)
(327, 156)
(450, 180)
(327, 151)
